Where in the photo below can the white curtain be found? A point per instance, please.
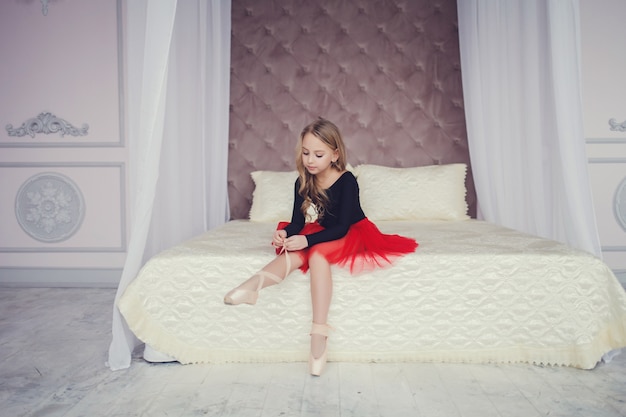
(523, 105)
(177, 97)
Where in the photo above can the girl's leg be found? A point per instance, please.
(321, 294)
(278, 267)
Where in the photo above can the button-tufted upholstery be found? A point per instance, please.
(386, 72)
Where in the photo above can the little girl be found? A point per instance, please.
(341, 235)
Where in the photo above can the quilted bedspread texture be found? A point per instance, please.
(472, 292)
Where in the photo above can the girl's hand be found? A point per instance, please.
(296, 242)
(279, 238)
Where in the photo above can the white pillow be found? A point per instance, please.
(272, 198)
(435, 192)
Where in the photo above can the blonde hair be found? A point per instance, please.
(310, 190)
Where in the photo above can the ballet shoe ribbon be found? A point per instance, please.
(287, 259)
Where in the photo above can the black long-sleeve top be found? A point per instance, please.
(343, 211)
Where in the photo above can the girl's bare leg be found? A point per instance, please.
(278, 267)
(321, 294)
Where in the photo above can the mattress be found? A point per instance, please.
(473, 292)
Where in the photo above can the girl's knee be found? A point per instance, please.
(318, 262)
(297, 258)
(316, 255)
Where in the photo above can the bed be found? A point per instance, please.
(473, 292)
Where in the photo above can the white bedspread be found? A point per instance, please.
(473, 292)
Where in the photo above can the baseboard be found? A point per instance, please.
(60, 277)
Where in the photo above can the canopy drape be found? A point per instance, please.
(177, 97)
(520, 64)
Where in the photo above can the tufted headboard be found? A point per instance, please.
(386, 72)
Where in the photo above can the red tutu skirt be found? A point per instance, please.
(363, 248)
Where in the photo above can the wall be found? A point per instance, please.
(604, 93)
(388, 73)
(63, 196)
(62, 146)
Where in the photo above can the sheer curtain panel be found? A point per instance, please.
(522, 93)
(177, 95)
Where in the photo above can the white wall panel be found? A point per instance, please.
(53, 224)
(62, 143)
(64, 64)
(603, 68)
(608, 178)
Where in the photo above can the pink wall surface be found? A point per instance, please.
(62, 146)
(603, 68)
(68, 63)
(387, 73)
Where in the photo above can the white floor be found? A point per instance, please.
(53, 346)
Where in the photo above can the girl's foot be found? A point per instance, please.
(319, 348)
(242, 294)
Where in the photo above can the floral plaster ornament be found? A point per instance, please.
(49, 207)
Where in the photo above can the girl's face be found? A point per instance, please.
(316, 155)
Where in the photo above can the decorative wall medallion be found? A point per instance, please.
(49, 207)
(47, 123)
(618, 127)
(44, 7)
(619, 203)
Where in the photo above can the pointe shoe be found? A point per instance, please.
(240, 296)
(316, 365)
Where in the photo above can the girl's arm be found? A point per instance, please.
(348, 211)
(297, 218)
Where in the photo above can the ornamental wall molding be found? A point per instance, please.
(77, 169)
(47, 123)
(49, 207)
(44, 7)
(617, 127)
(619, 203)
